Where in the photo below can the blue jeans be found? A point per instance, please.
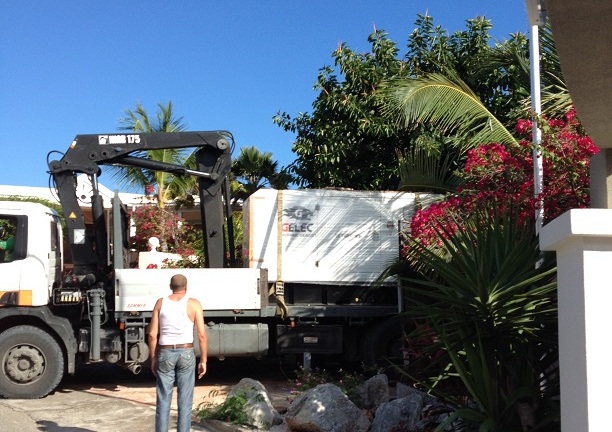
(175, 366)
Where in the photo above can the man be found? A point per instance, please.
(172, 355)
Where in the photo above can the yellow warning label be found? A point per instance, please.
(72, 216)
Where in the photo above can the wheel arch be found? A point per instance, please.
(57, 327)
(379, 338)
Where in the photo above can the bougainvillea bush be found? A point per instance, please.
(504, 175)
(151, 221)
(483, 286)
(177, 236)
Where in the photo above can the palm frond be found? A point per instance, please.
(556, 100)
(131, 179)
(502, 57)
(447, 104)
(421, 170)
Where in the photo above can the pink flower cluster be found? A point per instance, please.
(151, 221)
(504, 175)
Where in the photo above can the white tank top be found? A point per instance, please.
(175, 327)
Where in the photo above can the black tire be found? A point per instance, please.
(31, 363)
(381, 347)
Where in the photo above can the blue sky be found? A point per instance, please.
(73, 67)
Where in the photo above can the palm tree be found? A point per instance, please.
(168, 186)
(254, 170)
(453, 120)
(426, 170)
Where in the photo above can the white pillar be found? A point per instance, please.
(582, 239)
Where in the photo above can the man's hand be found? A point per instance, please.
(153, 333)
(154, 366)
(201, 370)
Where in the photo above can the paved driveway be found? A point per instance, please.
(108, 399)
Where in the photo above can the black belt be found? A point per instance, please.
(175, 346)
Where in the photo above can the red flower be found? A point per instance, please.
(505, 174)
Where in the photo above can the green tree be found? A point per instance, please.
(346, 142)
(349, 140)
(167, 185)
(470, 109)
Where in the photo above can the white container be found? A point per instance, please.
(325, 236)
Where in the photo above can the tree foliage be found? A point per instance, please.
(348, 141)
(253, 170)
(480, 106)
(166, 185)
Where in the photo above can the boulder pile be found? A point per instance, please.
(325, 408)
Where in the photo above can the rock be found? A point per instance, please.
(325, 409)
(399, 413)
(259, 406)
(372, 392)
(283, 427)
(402, 391)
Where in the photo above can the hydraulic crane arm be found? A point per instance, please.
(88, 152)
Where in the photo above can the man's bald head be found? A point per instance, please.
(178, 282)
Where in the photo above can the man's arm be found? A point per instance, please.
(198, 321)
(154, 334)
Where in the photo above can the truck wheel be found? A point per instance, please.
(31, 363)
(381, 347)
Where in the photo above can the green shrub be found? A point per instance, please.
(231, 411)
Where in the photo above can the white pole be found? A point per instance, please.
(536, 109)
(536, 12)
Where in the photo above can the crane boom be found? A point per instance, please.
(88, 152)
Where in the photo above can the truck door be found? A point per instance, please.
(10, 264)
(55, 254)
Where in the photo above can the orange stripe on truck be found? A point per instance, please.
(16, 298)
(25, 298)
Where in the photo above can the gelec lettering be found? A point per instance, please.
(298, 228)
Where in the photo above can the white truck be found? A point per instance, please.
(311, 257)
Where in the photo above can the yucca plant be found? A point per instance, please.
(490, 299)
